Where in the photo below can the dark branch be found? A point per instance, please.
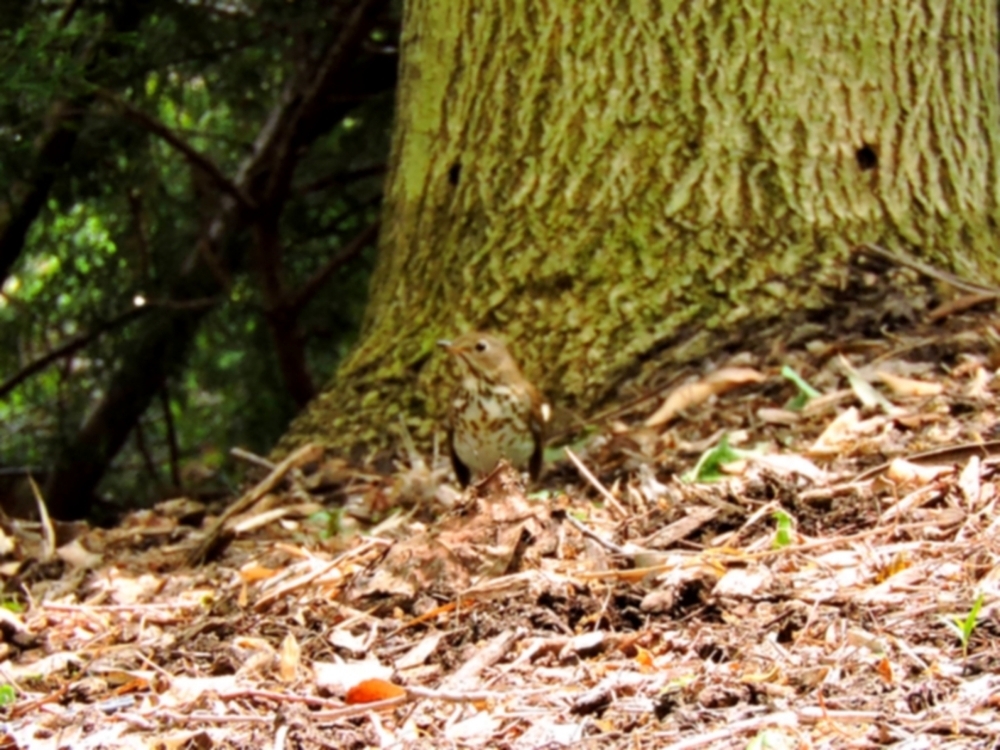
(70, 347)
(195, 157)
(348, 253)
(174, 448)
(341, 178)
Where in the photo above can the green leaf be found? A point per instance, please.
(783, 530)
(8, 695)
(709, 466)
(806, 391)
(328, 523)
(964, 627)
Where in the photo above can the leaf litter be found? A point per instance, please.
(835, 584)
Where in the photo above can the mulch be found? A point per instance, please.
(725, 564)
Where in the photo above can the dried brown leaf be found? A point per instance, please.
(908, 386)
(692, 394)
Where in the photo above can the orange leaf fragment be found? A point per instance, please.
(370, 691)
(643, 658)
(884, 669)
(254, 572)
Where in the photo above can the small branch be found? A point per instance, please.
(195, 157)
(307, 452)
(70, 347)
(147, 459)
(68, 12)
(336, 224)
(341, 178)
(348, 253)
(251, 458)
(928, 270)
(593, 535)
(168, 418)
(142, 239)
(605, 493)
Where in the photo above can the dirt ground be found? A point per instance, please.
(794, 546)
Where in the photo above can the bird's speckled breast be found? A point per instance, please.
(491, 423)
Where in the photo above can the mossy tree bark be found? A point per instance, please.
(598, 180)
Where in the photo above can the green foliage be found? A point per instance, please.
(125, 214)
(8, 695)
(964, 627)
(12, 605)
(784, 528)
(327, 524)
(709, 466)
(806, 392)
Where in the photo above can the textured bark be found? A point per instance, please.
(599, 181)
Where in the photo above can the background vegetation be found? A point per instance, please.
(124, 127)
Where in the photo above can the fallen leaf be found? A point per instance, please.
(908, 386)
(864, 390)
(905, 472)
(838, 432)
(885, 671)
(790, 463)
(370, 691)
(78, 556)
(771, 415)
(339, 678)
(253, 572)
(968, 482)
(291, 655)
(692, 394)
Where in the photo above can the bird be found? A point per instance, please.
(495, 412)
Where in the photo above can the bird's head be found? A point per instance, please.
(483, 355)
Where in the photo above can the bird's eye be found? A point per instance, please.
(480, 346)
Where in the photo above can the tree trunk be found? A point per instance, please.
(597, 184)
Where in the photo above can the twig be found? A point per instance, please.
(928, 270)
(309, 700)
(312, 575)
(48, 532)
(948, 454)
(358, 710)
(147, 459)
(70, 347)
(617, 411)
(721, 553)
(316, 282)
(612, 500)
(341, 178)
(212, 536)
(199, 717)
(783, 719)
(252, 458)
(174, 450)
(20, 709)
(594, 535)
(195, 157)
(151, 606)
(68, 12)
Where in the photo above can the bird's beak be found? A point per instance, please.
(446, 345)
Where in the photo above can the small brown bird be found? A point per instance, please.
(495, 412)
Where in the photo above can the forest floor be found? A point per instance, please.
(727, 563)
